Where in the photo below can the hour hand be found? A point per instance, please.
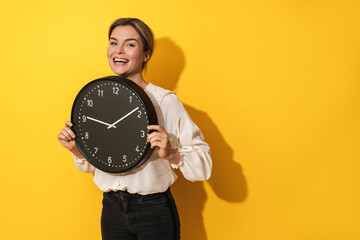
(96, 120)
(128, 114)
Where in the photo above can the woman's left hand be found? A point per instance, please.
(159, 139)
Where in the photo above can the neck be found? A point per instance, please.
(138, 79)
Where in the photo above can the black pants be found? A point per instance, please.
(128, 216)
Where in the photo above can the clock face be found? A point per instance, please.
(110, 117)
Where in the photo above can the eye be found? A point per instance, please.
(131, 45)
(113, 43)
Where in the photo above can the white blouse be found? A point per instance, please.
(157, 174)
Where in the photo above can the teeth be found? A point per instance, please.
(120, 60)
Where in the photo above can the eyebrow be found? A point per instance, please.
(126, 40)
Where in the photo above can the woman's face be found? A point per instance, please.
(125, 52)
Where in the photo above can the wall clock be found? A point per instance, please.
(110, 116)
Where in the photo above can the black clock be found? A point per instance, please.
(110, 116)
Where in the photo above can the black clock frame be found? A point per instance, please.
(150, 112)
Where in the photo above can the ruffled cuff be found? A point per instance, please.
(183, 151)
(76, 159)
(181, 162)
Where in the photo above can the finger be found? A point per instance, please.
(156, 128)
(62, 137)
(70, 132)
(159, 142)
(155, 138)
(157, 135)
(155, 144)
(66, 135)
(68, 124)
(151, 135)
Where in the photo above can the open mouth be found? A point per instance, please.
(120, 60)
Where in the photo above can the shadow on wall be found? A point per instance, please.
(227, 179)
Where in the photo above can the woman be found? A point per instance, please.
(139, 204)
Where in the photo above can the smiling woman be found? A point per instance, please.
(125, 52)
(138, 204)
(131, 45)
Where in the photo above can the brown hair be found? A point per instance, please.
(146, 35)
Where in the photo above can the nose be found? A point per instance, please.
(120, 49)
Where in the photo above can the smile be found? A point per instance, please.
(120, 60)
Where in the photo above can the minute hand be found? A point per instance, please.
(112, 125)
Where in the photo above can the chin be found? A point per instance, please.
(120, 73)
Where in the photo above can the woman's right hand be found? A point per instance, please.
(66, 138)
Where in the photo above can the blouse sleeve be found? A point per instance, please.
(195, 163)
(83, 165)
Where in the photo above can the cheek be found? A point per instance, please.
(139, 59)
(109, 52)
(135, 54)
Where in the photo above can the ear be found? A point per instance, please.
(147, 56)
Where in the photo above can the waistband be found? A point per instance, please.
(126, 193)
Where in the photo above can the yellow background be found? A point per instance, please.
(273, 84)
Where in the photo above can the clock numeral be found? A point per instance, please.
(90, 103)
(124, 158)
(84, 118)
(137, 148)
(139, 116)
(130, 99)
(100, 93)
(87, 135)
(109, 160)
(96, 149)
(116, 90)
(142, 133)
